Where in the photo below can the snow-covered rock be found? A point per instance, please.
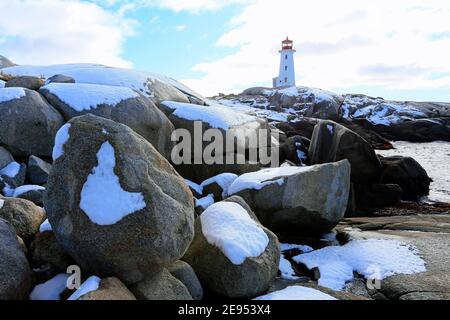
(232, 253)
(120, 104)
(307, 200)
(395, 120)
(374, 259)
(91, 284)
(243, 132)
(28, 124)
(205, 202)
(2, 84)
(8, 94)
(130, 213)
(51, 289)
(156, 86)
(218, 185)
(84, 97)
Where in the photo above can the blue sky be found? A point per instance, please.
(398, 50)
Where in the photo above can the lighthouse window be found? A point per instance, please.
(285, 68)
(285, 57)
(285, 79)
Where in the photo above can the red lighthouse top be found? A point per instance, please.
(287, 44)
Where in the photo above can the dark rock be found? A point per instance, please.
(377, 195)
(161, 286)
(28, 125)
(45, 250)
(295, 149)
(5, 157)
(332, 142)
(15, 273)
(60, 78)
(408, 174)
(184, 272)
(38, 170)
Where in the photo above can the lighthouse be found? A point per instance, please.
(286, 76)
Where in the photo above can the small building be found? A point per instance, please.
(286, 76)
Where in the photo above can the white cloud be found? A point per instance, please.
(62, 31)
(179, 28)
(388, 44)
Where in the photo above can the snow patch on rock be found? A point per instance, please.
(50, 290)
(45, 226)
(205, 202)
(91, 284)
(8, 94)
(297, 293)
(194, 186)
(374, 258)
(81, 97)
(62, 136)
(260, 179)
(224, 180)
(216, 116)
(26, 188)
(228, 226)
(103, 184)
(11, 170)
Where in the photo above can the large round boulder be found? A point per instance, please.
(24, 216)
(232, 253)
(28, 124)
(297, 200)
(333, 142)
(115, 204)
(408, 174)
(120, 104)
(161, 286)
(235, 135)
(15, 273)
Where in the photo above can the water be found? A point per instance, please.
(435, 158)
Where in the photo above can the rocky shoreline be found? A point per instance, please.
(89, 188)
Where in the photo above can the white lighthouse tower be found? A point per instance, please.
(286, 77)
